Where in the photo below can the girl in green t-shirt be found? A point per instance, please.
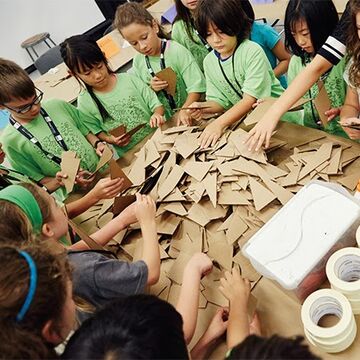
(307, 26)
(157, 53)
(110, 99)
(237, 71)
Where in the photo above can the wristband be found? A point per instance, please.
(97, 142)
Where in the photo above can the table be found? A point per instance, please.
(56, 86)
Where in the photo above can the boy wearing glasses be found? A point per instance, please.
(38, 133)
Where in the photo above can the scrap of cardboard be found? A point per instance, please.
(292, 177)
(108, 46)
(177, 270)
(137, 172)
(349, 181)
(236, 228)
(167, 223)
(197, 169)
(116, 172)
(171, 181)
(282, 194)
(119, 131)
(229, 197)
(175, 195)
(122, 202)
(247, 270)
(169, 75)
(300, 104)
(176, 208)
(135, 129)
(259, 111)
(198, 215)
(85, 237)
(210, 184)
(258, 156)
(262, 196)
(151, 153)
(214, 296)
(186, 144)
(104, 159)
(70, 166)
(333, 167)
(322, 103)
(179, 129)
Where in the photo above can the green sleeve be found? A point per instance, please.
(176, 33)
(90, 113)
(190, 71)
(139, 68)
(294, 68)
(257, 79)
(80, 119)
(147, 93)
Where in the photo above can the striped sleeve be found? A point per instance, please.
(334, 48)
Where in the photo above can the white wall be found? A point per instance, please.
(20, 19)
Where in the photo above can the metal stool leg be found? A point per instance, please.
(47, 43)
(52, 40)
(33, 49)
(27, 50)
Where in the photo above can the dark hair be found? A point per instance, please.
(321, 18)
(248, 9)
(134, 327)
(23, 339)
(353, 45)
(275, 347)
(130, 13)
(226, 15)
(184, 14)
(81, 52)
(15, 83)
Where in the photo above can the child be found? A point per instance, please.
(156, 53)
(237, 71)
(351, 108)
(28, 209)
(37, 311)
(146, 327)
(38, 134)
(184, 32)
(270, 41)
(243, 337)
(307, 26)
(110, 99)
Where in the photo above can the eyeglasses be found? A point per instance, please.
(26, 108)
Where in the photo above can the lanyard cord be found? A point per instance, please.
(54, 131)
(169, 98)
(240, 94)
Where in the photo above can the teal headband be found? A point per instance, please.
(25, 200)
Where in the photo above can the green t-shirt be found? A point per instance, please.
(27, 158)
(336, 89)
(130, 103)
(189, 78)
(194, 44)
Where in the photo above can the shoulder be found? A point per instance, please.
(177, 28)
(174, 46)
(210, 58)
(249, 49)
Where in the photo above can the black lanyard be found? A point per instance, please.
(169, 98)
(240, 94)
(54, 131)
(204, 42)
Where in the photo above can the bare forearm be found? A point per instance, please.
(50, 183)
(159, 110)
(281, 68)
(77, 207)
(92, 139)
(201, 348)
(192, 97)
(238, 326)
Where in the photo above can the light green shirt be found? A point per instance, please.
(194, 44)
(189, 78)
(27, 158)
(130, 103)
(252, 75)
(336, 89)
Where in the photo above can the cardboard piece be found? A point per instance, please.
(229, 197)
(198, 215)
(244, 151)
(151, 153)
(262, 196)
(104, 159)
(116, 172)
(210, 185)
(236, 228)
(108, 46)
(198, 170)
(214, 296)
(122, 202)
(119, 131)
(175, 195)
(259, 111)
(133, 131)
(169, 75)
(176, 208)
(167, 223)
(292, 177)
(322, 103)
(171, 181)
(186, 144)
(333, 167)
(282, 194)
(70, 166)
(350, 181)
(137, 172)
(179, 129)
(177, 269)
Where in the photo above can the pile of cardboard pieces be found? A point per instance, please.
(213, 200)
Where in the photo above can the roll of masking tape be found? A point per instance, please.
(343, 272)
(358, 236)
(328, 302)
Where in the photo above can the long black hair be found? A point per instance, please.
(226, 15)
(81, 52)
(134, 327)
(321, 18)
(184, 14)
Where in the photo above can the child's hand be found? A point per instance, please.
(107, 188)
(235, 288)
(156, 120)
(59, 176)
(199, 263)
(157, 85)
(258, 102)
(122, 140)
(100, 147)
(211, 134)
(145, 209)
(197, 113)
(83, 178)
(183, 117)
(128, 216)
(217, 326)
(332, 113)
(353, 134)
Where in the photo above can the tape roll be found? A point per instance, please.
(343, 272)
(328, 302)
(358, 236)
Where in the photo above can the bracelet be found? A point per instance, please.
(97, 142)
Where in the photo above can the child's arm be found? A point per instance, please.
(209, 107)
(157, 118)
(214, 130)
(113, 140)
(215, 330)
(237, 291)
(145, 210)
(95, 143)
(283, 57)
(350, 112)
(184, 117)
(188, 303)
(104, 189)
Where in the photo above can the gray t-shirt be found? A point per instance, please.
(99, 279)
